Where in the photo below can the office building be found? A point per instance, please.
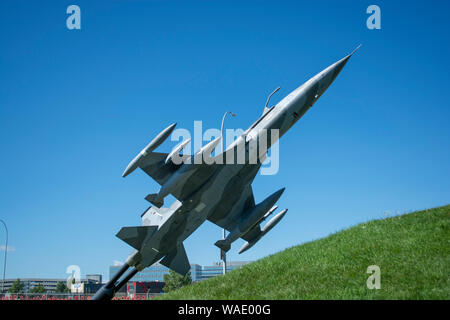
(157, 271)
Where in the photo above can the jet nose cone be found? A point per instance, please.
(336, 68)
(329, 74)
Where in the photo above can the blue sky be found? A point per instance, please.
(77, 105)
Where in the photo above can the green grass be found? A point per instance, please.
(412, 251)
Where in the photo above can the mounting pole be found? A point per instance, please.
(223, 254)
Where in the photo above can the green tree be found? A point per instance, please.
(61, 287)
(17, 287)
(38, 289)
(175, 280)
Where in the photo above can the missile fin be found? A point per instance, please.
(222, 244)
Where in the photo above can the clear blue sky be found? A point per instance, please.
(77, 105)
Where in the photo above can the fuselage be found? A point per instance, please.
(221, 186)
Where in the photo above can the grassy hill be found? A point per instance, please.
(412, 251)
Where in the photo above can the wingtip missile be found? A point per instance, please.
(270, 212)
(267, 227)
(132, 165)
(160, 138)
(272, 222)
(251, 218)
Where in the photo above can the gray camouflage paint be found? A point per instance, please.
(220, 193)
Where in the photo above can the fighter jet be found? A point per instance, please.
(215, 188)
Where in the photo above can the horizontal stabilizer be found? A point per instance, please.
(222, 244)
(153, 199)
(135, 236)
(177, 260)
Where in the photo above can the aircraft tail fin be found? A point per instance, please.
(177, 260)
(222, 244)
(153, 199)
(135, 236)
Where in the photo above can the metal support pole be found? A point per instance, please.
(6, 252)
(106, 292)
(223, 254)
(126, 279)
(116, 277)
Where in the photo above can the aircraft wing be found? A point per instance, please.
(154, 165)
(252, 233)
(229, 219)
(245, 202)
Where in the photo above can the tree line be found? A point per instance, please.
(18, 287)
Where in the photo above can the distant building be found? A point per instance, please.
(217, 268)
(151, 278)
(29, 283)
(157, 271)
(196, 272)
(94, 278)
(89, 285)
